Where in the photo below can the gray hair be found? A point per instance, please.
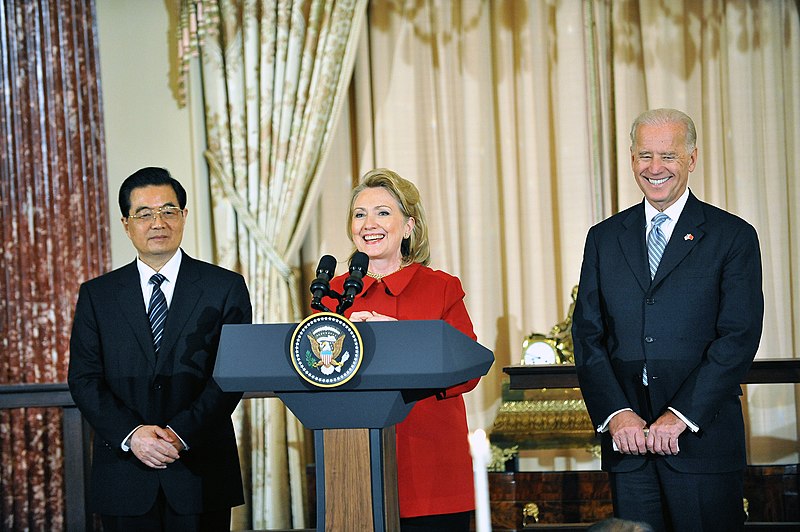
(660, 117)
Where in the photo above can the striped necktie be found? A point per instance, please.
(158, 310)
(656, 242)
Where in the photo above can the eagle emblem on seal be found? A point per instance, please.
(327, 349)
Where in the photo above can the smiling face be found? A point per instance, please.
(155, 240)
(378, 226)
(661, 163)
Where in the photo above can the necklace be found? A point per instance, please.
(379, 276)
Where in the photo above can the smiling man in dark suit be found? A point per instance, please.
(666, 324)
(142, 352)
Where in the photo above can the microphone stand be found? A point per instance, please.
(352, 287)
(316, 304)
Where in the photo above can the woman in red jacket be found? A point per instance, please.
(387, 222)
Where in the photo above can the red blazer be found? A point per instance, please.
(433, 460)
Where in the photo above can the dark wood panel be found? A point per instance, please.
(573, 500)
(580, 498)
(763, 371)
(561, 497)
(33, 395)
(75, 441)
(772, 492)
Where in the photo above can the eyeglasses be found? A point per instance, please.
(168, 214)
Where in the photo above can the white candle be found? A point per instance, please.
(481, 455)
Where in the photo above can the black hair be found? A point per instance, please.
(149, 176)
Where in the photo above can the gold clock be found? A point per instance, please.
(539, 349)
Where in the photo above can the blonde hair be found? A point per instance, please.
(415, 248)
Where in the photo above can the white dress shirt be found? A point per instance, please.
(170, 272)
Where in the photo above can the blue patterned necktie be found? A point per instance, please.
(158, 310)
(656, 242)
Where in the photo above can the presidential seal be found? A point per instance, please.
(326, 350)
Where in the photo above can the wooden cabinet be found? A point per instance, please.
(560, 497)
(575, 499)
(772, 492)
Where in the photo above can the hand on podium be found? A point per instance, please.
(369, 315)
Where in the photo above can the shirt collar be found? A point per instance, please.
(673, 211)
(396, 282)
(169, 270)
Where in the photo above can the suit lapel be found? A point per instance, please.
(184, 299)
(129, 299)
(631, 240)
(685, 237)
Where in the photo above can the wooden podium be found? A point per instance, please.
(353, 424)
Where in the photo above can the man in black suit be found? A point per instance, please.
(165, 455)
(666, 324)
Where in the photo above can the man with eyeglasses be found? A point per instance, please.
(142, 352)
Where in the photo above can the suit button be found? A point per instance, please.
(157, 387)
(649, 339)
(650, 301)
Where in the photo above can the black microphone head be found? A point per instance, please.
(358, 269)
(320, 286)
(327, 266)
(359, 263)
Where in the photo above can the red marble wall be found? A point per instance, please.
(54, 220)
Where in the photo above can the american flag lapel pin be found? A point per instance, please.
(688, 236)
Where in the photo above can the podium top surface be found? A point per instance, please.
(398, 355)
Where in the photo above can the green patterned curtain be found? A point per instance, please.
(274, 77)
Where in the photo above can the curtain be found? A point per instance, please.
(481, 104)
(274, 77)
(513, 119)
(54, 212)
(734, 66)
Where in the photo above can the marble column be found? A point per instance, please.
(54, 219)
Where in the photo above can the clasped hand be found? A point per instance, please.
(155, 447)
(627, 432)
(369, 315)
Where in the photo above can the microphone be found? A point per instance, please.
(321, 285)
(354, 284)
